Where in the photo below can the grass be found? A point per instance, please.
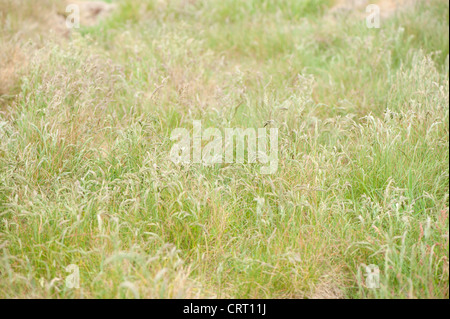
(363, 177)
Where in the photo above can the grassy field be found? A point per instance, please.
(85, 177)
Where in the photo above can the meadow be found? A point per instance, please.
(86, 117)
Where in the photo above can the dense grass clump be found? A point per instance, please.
(363, 178)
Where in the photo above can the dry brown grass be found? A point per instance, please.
(26, 27)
